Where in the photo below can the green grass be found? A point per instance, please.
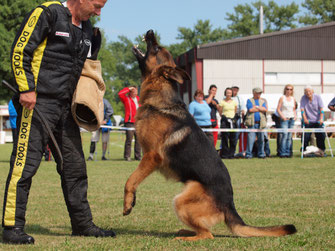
(267, 192)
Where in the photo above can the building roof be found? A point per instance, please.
(308, 43)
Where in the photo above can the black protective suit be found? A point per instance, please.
(47, 56)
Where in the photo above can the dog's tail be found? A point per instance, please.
(238, 227)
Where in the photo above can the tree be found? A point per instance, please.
(319, 11)
(201, 33)
(245, 20)
(11, 17)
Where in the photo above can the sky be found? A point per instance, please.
(132, 18)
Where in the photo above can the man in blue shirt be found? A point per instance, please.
(256, 118)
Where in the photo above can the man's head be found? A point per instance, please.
(84, 9)
(235, 90)
(133, 91)
(309, 91)
(257, 92)
(212, 90)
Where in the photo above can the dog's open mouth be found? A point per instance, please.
(138, 52)
(150, 39)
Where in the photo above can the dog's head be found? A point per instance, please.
(155, 56)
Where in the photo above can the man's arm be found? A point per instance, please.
(31, 37)
(122, 94)
(108, 110)
(331, 105)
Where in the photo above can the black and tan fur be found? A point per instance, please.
(174, 145)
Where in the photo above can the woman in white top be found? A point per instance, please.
(287, 111)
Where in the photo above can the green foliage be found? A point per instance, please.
(11, 16)
(201, 33)
(245, 20)
(319, 11)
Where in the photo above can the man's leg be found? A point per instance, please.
(129, 138)
(74, 177)
(260, 143)
(307, 137)
(320, 139)
(137, 149)
(94, 139)
(105, 140)
(25, 160)
(250, 143)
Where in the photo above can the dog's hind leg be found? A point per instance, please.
(197, 209)
(147, 165)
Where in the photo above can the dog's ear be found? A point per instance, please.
(175, 73)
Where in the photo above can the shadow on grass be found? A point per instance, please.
(37, 229)
(168, 235)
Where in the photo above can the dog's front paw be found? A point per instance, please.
(129, 203)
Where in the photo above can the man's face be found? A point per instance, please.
(212, 91)
(235, 91)
(257, 95)
(133, 93)
(90, 8)
(309, 93)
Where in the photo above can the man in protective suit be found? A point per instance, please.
(48, 55)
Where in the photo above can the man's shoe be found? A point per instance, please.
(89, 158)
(16, 235)
(127, 159)
(93, 231)
(103, 158)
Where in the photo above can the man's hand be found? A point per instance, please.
(28, 99)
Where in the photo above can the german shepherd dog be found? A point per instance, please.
(175, 145)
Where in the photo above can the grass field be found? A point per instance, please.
(267, 192)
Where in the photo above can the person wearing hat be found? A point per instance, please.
(48, 56)
(256, 119)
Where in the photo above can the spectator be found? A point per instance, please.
(228, 109)
(12, 119)
(130, 100)
(256, 119)
(331, 105)
(311, 106)
(201, 112)
(214, 105)
(240, 112)
(287, 112)
(108, 112)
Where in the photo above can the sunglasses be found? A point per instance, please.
(289, 89)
